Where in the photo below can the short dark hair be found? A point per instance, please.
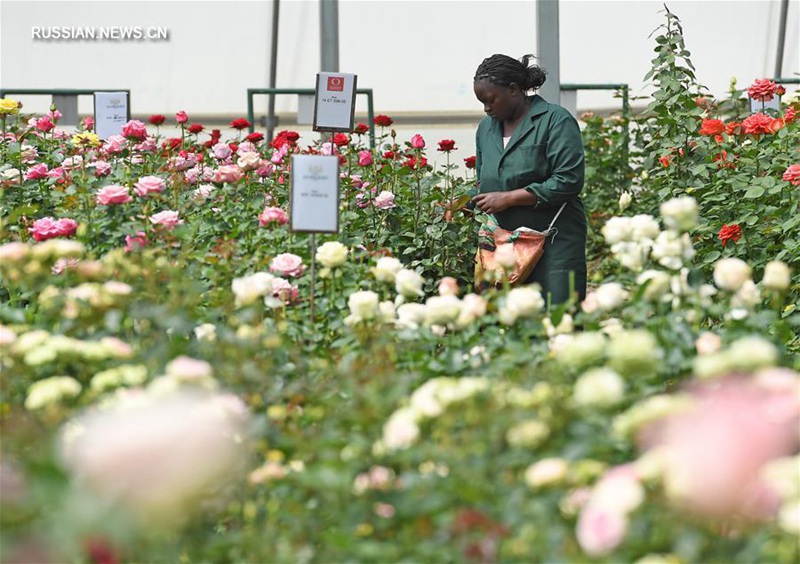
(505, 71)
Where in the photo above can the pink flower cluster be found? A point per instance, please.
(48, 228)
(272, 216)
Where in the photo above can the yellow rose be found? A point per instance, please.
(9, 106)
(86, 140)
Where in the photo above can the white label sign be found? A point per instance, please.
(111, 112)
(314, 200)
(335, 96)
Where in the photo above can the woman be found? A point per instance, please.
(530, 162)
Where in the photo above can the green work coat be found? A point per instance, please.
(545, 157)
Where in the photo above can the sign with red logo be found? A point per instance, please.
(336, 83)
(334, 104)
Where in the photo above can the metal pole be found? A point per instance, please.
(329, 35)
(273, 69)
(781, 38)
(547, 46)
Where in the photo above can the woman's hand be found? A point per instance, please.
(493, 202)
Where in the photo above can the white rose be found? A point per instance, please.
(206, 332)
(708, 343)
(401, 430)
(473, 307)
(634, 353)
(582, 350)
(546, 472)
(524, 301)
(410, 315)
(749, 353)
(610, 296)
(777, 276)
(249, 161)
(442, 310)
(387, 312)
(659, 283)
(600, 386)
(625, 200)
(617, 230)
(363, 305)
(747, 296)
(731, 273)
(409, 283)
(671, 249)
(565, 326)
(386, 269)
(249, 288)
(505, 256)
(332, 254)
(631, 255)
(644, 227)
(680, 214)
(44, 393)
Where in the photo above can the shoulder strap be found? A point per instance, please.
(555, 217)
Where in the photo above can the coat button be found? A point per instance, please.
(501, 169)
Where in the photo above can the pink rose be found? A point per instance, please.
(284, 290)
(48, 228)
(228, 173)
(36, 172)
(134, 129)
(365, 158)
(792, 175)
(115, 144)
(221, 151)
(55, 115)
(448, 286)
(113, 194)
(418, 142)
(88, 123)
(287, 264)
(135, 242)
(45, 124)
(57, 172)
(149, 185)
(714, 451)
(265, 169)
(101, 168)
(600, 530)
(384, 200)
(168, 219)
(181, 117)
(146, 146)
(272, 215)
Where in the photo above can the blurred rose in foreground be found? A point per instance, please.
(159, 458)
(713, 453)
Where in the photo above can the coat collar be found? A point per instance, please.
(537, 107)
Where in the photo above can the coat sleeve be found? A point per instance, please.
(566, 161)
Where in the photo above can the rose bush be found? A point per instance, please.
(172, 384)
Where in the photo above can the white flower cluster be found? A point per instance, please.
(430, 400)
(37, 348)
(744, 355)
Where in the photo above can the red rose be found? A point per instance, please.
(413, 162)
(730, 232)
(665, 160)
(361, 128)
(712, 127)
(341, 139)
(733, 128)
(789, 115)
(762, 90)
(758, 123)
(255, 137)
(469, 162)
(157, 119)
(447, 145)
(389, 155)
(382, 120)
(234, 146)
(723, 161)
(181, 117)
(775, 126)
(195, 128)
(285, 138)
(780, 90)
(240, 124)
(171, 143)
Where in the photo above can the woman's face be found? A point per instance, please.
(499, 102)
